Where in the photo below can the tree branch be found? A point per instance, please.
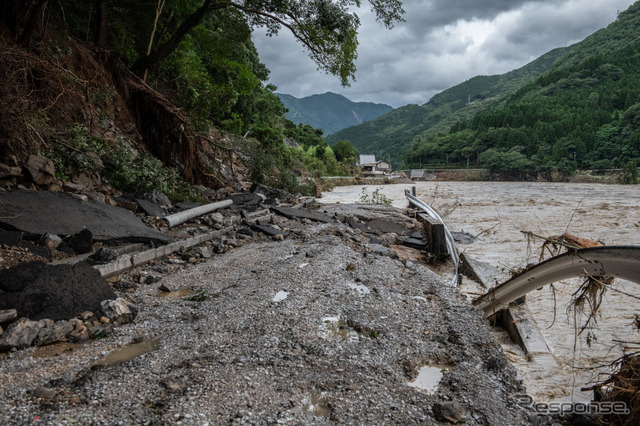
(167, 48)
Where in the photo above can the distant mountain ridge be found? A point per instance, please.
(331, 112)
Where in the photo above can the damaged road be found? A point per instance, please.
(321, 323)
(60, 213)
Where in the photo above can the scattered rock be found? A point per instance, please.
(8, 315)
(167, 288)
(53, 333)
(157, 198)
(174, 386)
(41, 169)
(382, 250)
(7, 171)
(44, 393)
(87, 180)
(51, 241)
(119, 311)
(495, 363)
(19, 334)
(79, 332)
(80, 242)
(74, 188)
(104, 254)
(448, 411)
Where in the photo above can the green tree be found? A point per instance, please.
(345, 151)
(327, 29)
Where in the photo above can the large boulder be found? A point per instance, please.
(37, 290)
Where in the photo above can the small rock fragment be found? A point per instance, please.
(51, 241)
(119, 310)
(8, 315)
(450, 411)
(104, 254)
(56, 332)
(19, 335)
(44, 393)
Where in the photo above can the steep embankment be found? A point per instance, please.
(96, 125)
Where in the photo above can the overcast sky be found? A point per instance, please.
(441, 44)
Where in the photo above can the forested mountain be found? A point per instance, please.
(392, 134)
(330, 112)
(582, 113)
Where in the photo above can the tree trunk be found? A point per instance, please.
(166, 49)
(159, 7)
(101, 23)
(36, 17)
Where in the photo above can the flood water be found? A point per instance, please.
(497, 213)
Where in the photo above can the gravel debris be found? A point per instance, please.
(235, 349)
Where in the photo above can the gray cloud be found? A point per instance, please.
(441, 44)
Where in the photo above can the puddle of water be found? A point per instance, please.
(176, 294)
(337, 327)
(57, 349)
(360, 288)
(429, 378)
(129, 352)
(280, 296)
(318, 405)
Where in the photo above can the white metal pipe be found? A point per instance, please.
(183, 216)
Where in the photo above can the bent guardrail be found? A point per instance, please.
(613, 261)
(451, 246)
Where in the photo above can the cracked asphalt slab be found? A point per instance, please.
(308, 330)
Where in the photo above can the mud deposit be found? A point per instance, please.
(353, 331)
(497, 212)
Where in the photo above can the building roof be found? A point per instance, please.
(367, 159)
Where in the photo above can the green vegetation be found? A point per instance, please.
(374, 198)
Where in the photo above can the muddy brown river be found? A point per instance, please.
(498, 212)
